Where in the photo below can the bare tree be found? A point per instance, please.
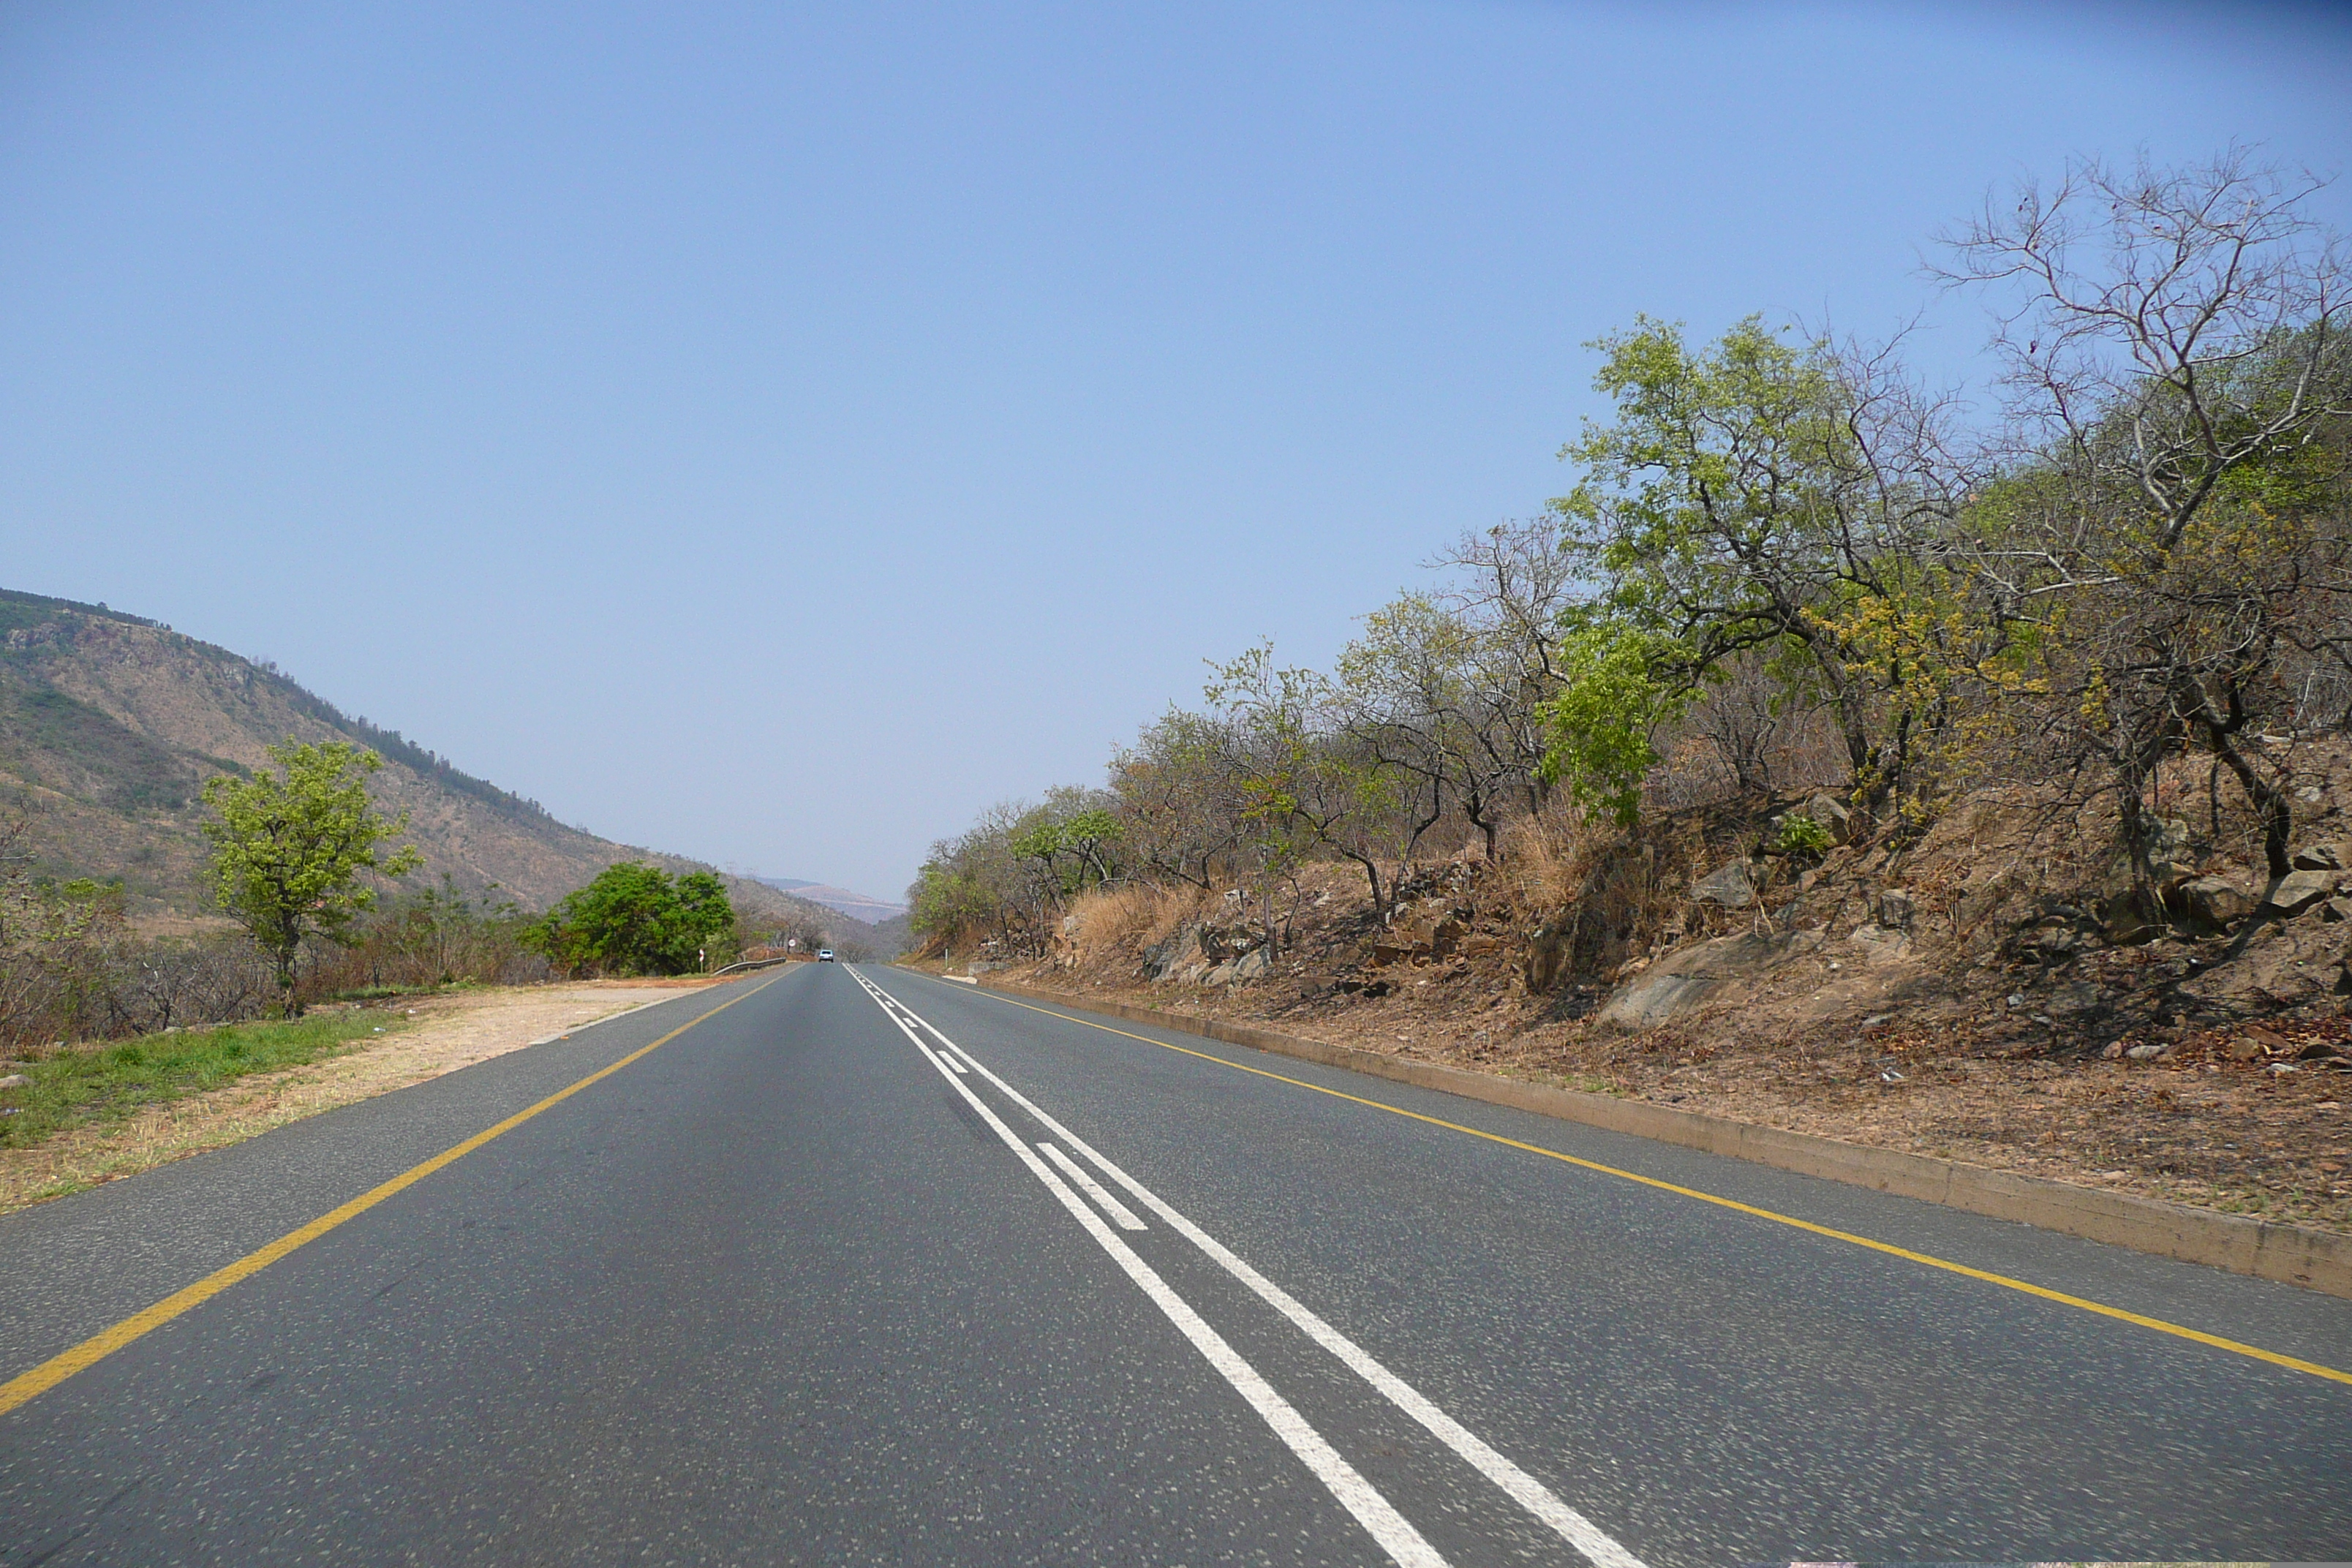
(1510, 586)
(2174, 342)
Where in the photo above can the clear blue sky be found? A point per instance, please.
(774, 433)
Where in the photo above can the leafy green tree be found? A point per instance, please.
(1071, 839)
(288, 853)
(1757, 498)
(1304, 781)
(1179, 816)
(1620, 683)
(1092, 836)
(634, 919)
(946, 901)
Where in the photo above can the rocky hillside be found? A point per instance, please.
(1986, 992)
(110, 723)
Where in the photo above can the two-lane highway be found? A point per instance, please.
(865, 1267)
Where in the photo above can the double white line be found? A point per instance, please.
(1396, 1535)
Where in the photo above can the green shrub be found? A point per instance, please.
(1801, 834)
(635, 919)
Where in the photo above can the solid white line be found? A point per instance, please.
(1529, 1493)
(1394, 1532)
(1093, 1189)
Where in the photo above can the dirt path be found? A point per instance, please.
(449, 1033)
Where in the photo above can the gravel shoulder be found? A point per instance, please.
(447, 1032)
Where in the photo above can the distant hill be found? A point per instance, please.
(893, 936)
(110, 723)
(858, 906)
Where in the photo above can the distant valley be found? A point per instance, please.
(858, 906)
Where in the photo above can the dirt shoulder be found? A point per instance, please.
(2207, 1126)
(448, 1032)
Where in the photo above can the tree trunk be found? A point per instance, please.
(2271, 804)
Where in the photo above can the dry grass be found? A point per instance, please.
(1130, 918)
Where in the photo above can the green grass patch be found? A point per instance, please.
(107, 1083)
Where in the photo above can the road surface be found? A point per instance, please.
(866, 1268)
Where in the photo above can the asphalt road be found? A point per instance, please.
(869, 1267)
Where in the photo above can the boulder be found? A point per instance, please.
(2168, 847)
(1163, 958)
(1249, 966)
(2301, 889)
(1730, 885)
(2320, 858)
(2125, 918)
(1682, 982)
(15, 1081)
(2211, 903)
(1897, 909)
(1834, 816)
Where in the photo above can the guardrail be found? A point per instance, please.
(748, 965)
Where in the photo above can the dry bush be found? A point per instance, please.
(1129, 917)
(1592, 894)
(108, 989)
(1691, 773)
(1543, 860)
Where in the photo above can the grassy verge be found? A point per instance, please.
(107, 1083)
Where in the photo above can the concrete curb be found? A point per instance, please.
(2290, 1255)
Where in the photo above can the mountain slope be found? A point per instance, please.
(109, 724)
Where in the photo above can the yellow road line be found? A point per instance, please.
(2158, 1324)
(98, 1346)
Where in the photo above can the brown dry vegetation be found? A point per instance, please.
(1984, 1015)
